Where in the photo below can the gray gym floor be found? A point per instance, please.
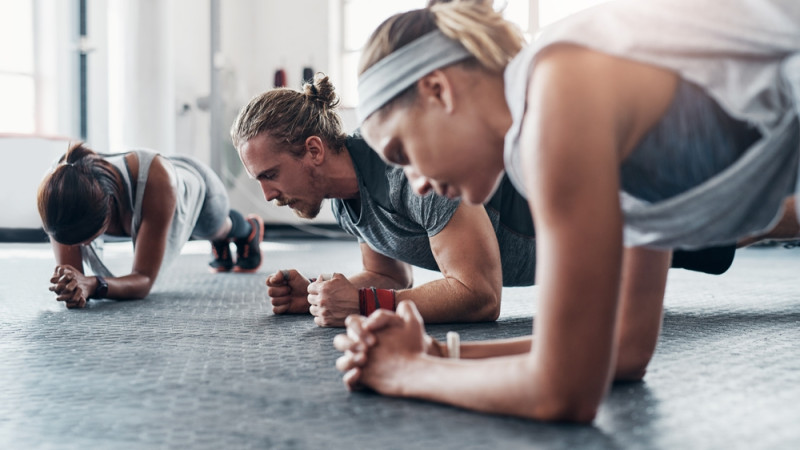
(203, 363)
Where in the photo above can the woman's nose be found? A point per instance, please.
(419, 183)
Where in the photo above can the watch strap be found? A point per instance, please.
(102, 288)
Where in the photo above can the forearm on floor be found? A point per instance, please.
(514, 388)
(494, 348)
(129, 287)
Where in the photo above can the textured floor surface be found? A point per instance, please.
(203, 363)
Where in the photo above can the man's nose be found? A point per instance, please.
(270, 193)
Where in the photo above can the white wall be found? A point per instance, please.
(259, 37)
(19, 183)
(158, 75)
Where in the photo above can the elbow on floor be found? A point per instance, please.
(632, 367)
(567, 410)
(632, 374)
(486, 308)
(138, 293)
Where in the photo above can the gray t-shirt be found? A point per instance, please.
(395, 222)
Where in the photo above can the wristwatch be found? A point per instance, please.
(102, 288)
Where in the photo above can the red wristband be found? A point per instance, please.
(370, 299)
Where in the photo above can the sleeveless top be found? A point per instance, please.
(742, 54)
(191, 190)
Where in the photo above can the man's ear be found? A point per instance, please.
(436, 89)
(316, 149)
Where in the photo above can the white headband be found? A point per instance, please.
(393, 74)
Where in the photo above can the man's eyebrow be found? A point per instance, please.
(264, 172)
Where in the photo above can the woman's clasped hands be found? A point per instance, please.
(384, 349)
(70, 286)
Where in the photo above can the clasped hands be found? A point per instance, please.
(385, 349)
(71, 286)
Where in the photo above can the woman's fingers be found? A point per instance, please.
(381, 319)
(342, 343)
(350, 361)
(80, 303)
(356, 331)
(72, 285)
(352, 379)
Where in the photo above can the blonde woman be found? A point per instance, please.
(632, 128)
(292, 143)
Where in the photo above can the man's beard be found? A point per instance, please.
(306, 211)
(301, 208)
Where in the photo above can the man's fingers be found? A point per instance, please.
(279, 291)
(280, 309)
(280, 301)
(279, 278)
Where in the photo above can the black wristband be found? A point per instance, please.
(102, 288)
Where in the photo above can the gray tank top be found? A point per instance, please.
(743, 54)
(191, 192)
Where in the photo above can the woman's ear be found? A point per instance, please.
(436, 89)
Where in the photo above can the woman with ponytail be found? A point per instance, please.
(633, 128)
(293, 144)
(159, 202)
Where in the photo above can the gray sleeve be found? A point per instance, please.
(432, 212)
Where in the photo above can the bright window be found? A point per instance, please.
(361, 17)
(17, 69)
(553, 10)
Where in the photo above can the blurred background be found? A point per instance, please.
(171, 75)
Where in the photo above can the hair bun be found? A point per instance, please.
(321, 90)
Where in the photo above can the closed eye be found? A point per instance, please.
(395, 155)
(267, 176)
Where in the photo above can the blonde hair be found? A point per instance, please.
(291, 116)
(492, 40)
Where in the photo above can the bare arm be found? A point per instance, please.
(158, 208)
(644, 278)
(67, 255)
(468, 256)
(573, 188)
(381, 271)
